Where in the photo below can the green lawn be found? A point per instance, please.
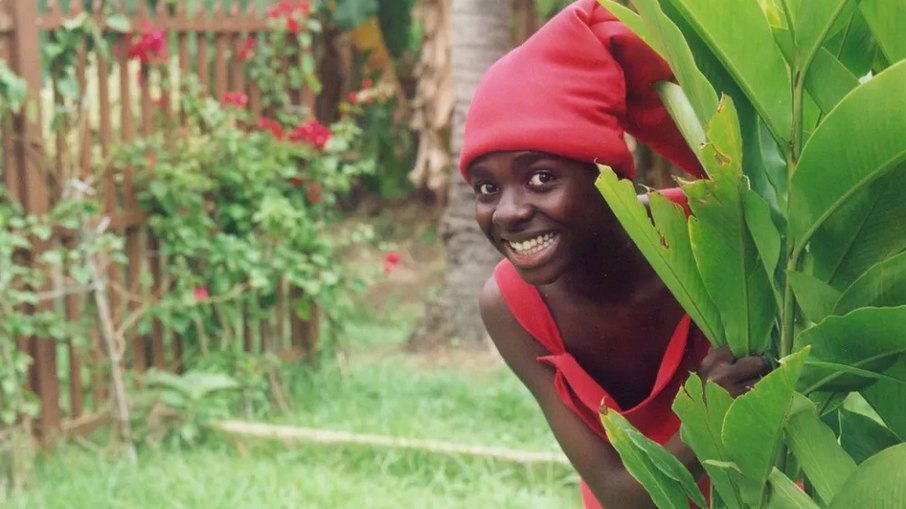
(375, 388)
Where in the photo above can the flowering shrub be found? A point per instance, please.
(245, 207)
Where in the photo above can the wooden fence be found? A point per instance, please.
(206, 42)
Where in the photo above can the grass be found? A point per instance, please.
(372, 387)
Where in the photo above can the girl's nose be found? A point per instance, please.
(511, 209)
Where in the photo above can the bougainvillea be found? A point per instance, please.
(312, 132)
(247, 49)
(237, 99)
(149, 45)
(292, 13)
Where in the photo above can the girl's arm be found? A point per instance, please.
(595, 459)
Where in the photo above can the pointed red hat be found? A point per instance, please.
(572, 89)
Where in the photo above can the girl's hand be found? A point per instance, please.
(736, 375)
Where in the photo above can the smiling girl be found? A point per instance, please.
(574, 308)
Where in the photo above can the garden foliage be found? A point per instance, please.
(241, 208)
(794, 248)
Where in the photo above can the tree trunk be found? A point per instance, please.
(482, 33)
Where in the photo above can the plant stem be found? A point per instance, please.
(787, 318)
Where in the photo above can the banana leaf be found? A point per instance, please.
(813, 23)
(725, 253)
(882, 285)
(855, 46)
(816, 298)
(666, 39)
(739, 35)
(866, 230)
(785, 494)
(701, 409)
(888, 399)
(879, 482)
(668, 482)
(868, 338)
(754, 424)
(863, 138)
(886, 20)
(862, 436)
(824, 461)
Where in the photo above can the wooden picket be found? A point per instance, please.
(217, 35)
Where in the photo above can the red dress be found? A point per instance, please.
(578, 390)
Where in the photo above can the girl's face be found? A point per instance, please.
(541, 211)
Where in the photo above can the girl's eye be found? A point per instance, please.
(539, 178)
(485, 189)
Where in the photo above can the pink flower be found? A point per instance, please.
(201, 293)
(312, 132)
(247, 49)
(353, 97)
(367, 83)
(391, 260)
(269, 124)
(237, 99)
(148, 46)
(292, 25)
(293, 12)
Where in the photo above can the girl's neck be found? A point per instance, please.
(615, 272)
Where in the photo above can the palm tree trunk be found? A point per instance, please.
(482, 33)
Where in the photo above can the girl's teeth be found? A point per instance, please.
(533, 245)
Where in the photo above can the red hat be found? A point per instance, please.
(572, 89)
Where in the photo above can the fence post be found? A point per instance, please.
(34, 193)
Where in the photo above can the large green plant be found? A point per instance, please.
(797, 111)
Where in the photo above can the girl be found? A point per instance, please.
(574, 308)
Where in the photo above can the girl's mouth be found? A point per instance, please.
(532, 251)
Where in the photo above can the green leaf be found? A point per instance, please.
(855, 46)
(860, 140)
(862, 436)
(764, 232)
(814, 21)
(878, 483)
(867, 338)
(785, 494)
(118, 23)
(631, 19)
(882, 285)
(668, 482)
(666, 247)
(755, 422)
(667, 39)
(852, 370)
(683, 114)
(888, 399)
(702, 410)
(886, 20)
(814, 296)
(352, 13)
(741, 38)
(725, 253)
(814, 445)
(828, 80)
(863, 232)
